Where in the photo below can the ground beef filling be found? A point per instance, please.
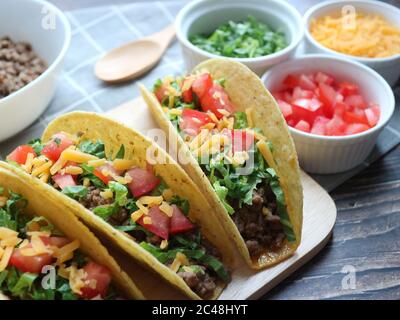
(259, 223)
(202, 283)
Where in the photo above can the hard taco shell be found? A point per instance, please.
(246, 90)
(40, 203)
(95, 127)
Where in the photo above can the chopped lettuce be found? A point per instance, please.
(75, 192)
(197, 255)
(240, 120)
(94, 148)
(222, 193)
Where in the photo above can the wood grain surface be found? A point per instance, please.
(367, 233)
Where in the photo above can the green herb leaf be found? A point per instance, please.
(37, 145)
(121, 152)
(75, 192)
(243, 39)
(94, 148)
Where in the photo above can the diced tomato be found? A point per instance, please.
(192, 121)
(58, 242)
(303, 126)
(348, 89)
(317, 103)
(335, 126)
(143, 181)
(306, 83)
(98, 172)
(299, 93)
(20, 154)
(373, 114)
(202, 84)
(160, 222)
(278, 96)
(358, 116)
(306, 109)
(242, 140)
(216, 99)
(102, 278)
(286, 108)
(58, 143)
(356, 128)
(179, 222)
(187, 95)
(319, 125)
(340, 109)
(291, 81)
(355, 101)
(64, 180)
(327, 95)
(32, 264)
(161, 92)
(322, 77)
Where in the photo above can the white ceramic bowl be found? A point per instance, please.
(388, 67)
(47, 29)
(333, 154)
(204, 16)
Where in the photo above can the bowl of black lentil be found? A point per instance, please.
(34, 38)
(258, 33)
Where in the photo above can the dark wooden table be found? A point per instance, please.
(362, 260)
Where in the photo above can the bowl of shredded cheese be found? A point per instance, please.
(362, 30)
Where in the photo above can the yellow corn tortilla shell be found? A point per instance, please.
(95, 127)
(41, 205)
(246, 90)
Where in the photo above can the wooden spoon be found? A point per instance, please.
(135, 58)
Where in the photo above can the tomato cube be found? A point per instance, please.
(302, 126)
(286, 108)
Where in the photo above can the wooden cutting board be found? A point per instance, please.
(319, 217)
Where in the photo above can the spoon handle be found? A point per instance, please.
(165, 36)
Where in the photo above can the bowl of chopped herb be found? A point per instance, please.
(257, 33)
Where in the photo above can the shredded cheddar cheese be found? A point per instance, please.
(167, 194)
(122, 164)
(249, 116)
(58, 165)
(97, 163)
(147, 220)
(363, 35)
(142, 207)
(44, 168)
(29, 162)
(74, 170)
(163, 244)
(5, 258)
(150, 200)
(107, 194)
(167, 209)
(135, 216)
(77, 156)
(66, 252)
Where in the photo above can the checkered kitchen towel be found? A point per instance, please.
(96, 31)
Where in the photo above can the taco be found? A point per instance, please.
(46, 253)
(224, 123)
(98, 168)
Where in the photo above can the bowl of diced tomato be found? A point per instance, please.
(335, 109)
